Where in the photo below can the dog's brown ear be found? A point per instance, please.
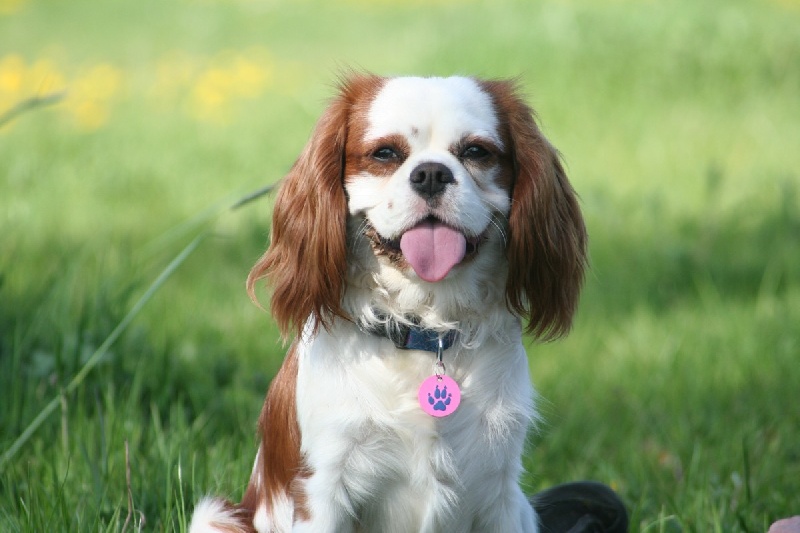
(546, 246)
(306, 261)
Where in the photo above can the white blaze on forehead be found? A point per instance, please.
(437, 111)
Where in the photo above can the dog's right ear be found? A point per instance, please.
(306, 262)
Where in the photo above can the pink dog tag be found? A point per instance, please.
(439, 396)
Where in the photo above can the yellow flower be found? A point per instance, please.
(792, 5)
(101, 82)
(230, 77)
(8, 7)
(19, 82)
(12, 72)
(252, 72)
(44, 77)
(92, 93)
(210, 94)
(90, 114)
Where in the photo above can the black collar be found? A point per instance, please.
(413, 337)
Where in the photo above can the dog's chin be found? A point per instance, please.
(391, 249)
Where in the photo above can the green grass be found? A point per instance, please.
(678, 121)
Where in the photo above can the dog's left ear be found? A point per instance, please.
(546, 245)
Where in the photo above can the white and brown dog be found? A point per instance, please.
(425, 226)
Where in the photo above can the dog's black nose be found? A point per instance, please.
(430, 179)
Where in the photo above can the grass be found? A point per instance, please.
(678, 121)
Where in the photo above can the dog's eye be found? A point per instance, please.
(385, 154)
(474, 152)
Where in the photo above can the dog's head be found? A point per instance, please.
(425, 194)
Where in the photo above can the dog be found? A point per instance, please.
(425, 227)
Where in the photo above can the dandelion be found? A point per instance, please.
(231, 77)
(20, 81)
(92, 93)
(44, 76)
(252, 72)
(12, 71)
(8, 7)
(211, 93)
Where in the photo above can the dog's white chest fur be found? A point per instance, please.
(385, 461)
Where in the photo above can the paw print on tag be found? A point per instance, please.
(439, 396)
(440, 399)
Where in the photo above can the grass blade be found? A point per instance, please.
(102, 349)
(29, 104)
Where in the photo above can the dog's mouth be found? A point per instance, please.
(430, 247)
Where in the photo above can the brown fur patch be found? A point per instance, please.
(546, 248)
(306, 261)
(360, 155)
(280, 466)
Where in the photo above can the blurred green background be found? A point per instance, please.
(680, 125)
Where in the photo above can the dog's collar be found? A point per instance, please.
(413, 337)
(417, 338)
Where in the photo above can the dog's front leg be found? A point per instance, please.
(328, 516)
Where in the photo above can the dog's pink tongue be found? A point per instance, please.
(433, 249)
